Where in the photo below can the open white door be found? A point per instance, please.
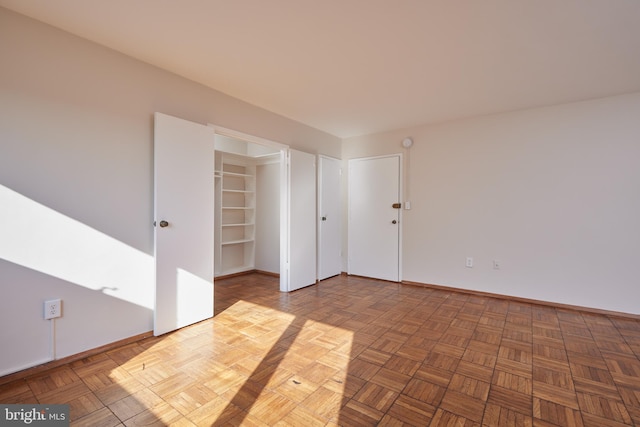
(329, 214)
(374, 224)
(184, 209)
(302, 220)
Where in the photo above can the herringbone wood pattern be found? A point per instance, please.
(354, 351)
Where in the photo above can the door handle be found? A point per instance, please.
(394, 222)
(164, 224)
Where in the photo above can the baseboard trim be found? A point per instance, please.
(609, 313)
(229, 276)
(244, 273)
(267, 273)
(25, 373)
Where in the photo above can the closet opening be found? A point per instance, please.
(264, 209)
(250, 205)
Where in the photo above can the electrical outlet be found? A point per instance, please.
(496, 264)
(469, 262)
(52, 309)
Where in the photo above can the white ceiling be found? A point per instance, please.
(353, 67)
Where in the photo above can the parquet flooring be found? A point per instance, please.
(355, 352)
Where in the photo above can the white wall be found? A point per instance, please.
(552, 193)
(76, 150)
(268, 217)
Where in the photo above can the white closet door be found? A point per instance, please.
(184, 209)
(329, 214)
(302, 220)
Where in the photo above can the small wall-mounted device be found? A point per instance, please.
(407, 142)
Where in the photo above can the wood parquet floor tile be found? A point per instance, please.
(351, 351)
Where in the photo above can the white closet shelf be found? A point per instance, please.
(238, 191)
(237, 207)
(236, 242)
(244, 175)
(244, 224)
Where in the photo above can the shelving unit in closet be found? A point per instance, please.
(236, 213)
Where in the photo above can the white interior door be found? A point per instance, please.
(302, 220)
(184, 209)
(374, 224)
(329, 214)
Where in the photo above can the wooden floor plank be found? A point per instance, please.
(356, 351)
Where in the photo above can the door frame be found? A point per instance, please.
(284, 193)
(400, 199)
